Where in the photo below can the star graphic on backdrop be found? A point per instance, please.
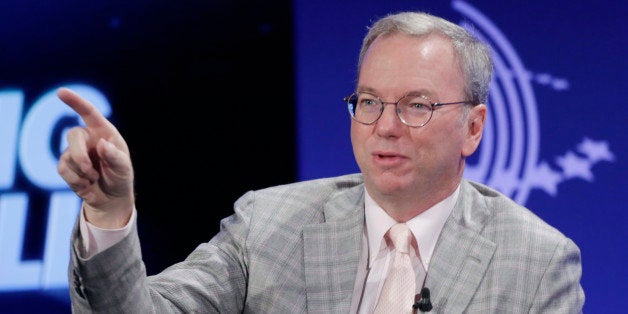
(507, 183)
(546, 178)
(574, 166)
(556, 83)
(596, 151)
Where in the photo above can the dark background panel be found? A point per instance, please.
(203, 92)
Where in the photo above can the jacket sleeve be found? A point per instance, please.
(559, 290)
(212, 279)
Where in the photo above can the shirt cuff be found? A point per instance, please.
(96, 240)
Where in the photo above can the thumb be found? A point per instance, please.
(114, 161)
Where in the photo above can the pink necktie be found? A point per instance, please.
(397, 295)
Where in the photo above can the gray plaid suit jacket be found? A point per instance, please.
(296, 248)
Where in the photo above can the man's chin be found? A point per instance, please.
(388, 183)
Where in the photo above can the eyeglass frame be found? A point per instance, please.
(433, 106)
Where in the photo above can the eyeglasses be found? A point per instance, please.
(413, 110)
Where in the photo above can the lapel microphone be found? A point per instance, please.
(424, 304)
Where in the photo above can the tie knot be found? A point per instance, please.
(400, 236)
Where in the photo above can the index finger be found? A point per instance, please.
(87, 111)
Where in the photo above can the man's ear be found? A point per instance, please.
(475, 127)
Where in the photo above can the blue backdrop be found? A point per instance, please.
(556, 138)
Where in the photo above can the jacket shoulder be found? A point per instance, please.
(504, 216)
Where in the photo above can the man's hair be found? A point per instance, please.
(473, 55)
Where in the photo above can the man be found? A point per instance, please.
(324, 245)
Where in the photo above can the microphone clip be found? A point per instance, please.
(424, 304)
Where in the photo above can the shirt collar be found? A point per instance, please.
(426, 227)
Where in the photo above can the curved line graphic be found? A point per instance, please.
(521, 147)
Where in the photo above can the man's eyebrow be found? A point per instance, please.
(366, 89)
(414, 92)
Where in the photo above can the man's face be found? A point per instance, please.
(400, 160)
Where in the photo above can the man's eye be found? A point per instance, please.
(368, 102)
(418, 106)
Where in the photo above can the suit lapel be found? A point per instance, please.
(332, 253)
(461, 255)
